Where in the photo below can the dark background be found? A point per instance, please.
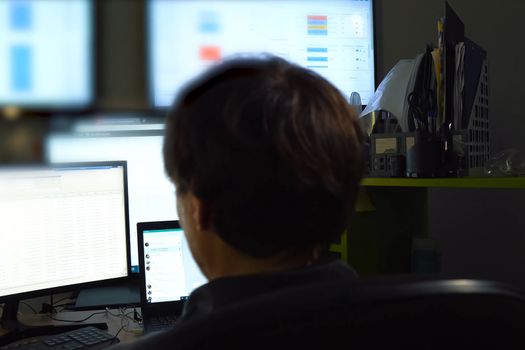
(481, 232)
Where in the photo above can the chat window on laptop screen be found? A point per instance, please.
(45, 52)
(171, 273)
(332, 37)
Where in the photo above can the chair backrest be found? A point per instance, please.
(380, 313)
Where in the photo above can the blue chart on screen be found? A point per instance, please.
(20, 15)
(46, 53)
(335, 38)
(21, 68)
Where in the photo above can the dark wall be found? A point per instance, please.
(122, 54)
(405, 26)
(481, 232)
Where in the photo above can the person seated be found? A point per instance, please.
(266, 159)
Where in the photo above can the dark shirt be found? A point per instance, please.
(233, 293)
(227, 291)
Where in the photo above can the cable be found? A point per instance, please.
(125, 318)
(137, 315)
(61, 307)
(50, 308)
(29, 306)
(78, 321)
(116, 335)
(59, 300)
(65, 304)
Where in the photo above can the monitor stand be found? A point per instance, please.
(15, 330)
(117, 295)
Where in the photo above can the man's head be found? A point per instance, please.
(271, 150)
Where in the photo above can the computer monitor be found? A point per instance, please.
(135, 139)
(335, 38)
(62, 227)
(46, 54)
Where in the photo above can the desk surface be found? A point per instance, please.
(115, 322)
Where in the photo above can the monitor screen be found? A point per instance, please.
(62, 226)
(139, 142)
(46, 53)
(332, 37)
(171, 272)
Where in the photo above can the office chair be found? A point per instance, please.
(383, 313)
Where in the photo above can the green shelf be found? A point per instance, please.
(390, 212)
(461, 182)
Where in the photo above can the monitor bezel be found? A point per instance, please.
(91, 284)
(149, 55)
(49, 109)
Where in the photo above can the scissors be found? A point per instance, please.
(417, 110)
(422, 108)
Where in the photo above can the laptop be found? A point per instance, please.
(168, 273)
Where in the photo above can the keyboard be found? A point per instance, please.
(88, 338)
(159, 323)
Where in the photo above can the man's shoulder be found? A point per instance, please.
(310, 294)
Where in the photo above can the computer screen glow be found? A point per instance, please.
(61, 227)
(171, 272)
(151, 193)
(331, 37)
(45, 53)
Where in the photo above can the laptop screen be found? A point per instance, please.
(170, 272)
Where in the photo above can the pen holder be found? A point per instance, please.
(424, 158)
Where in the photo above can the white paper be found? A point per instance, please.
(391, 95)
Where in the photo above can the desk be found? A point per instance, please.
(113, 322)
(392, 211)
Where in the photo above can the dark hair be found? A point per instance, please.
(273, 148)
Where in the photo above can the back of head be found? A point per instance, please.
(273, 148)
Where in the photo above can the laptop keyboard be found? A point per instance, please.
(159, 323)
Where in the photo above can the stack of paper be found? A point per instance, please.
(391, 94)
